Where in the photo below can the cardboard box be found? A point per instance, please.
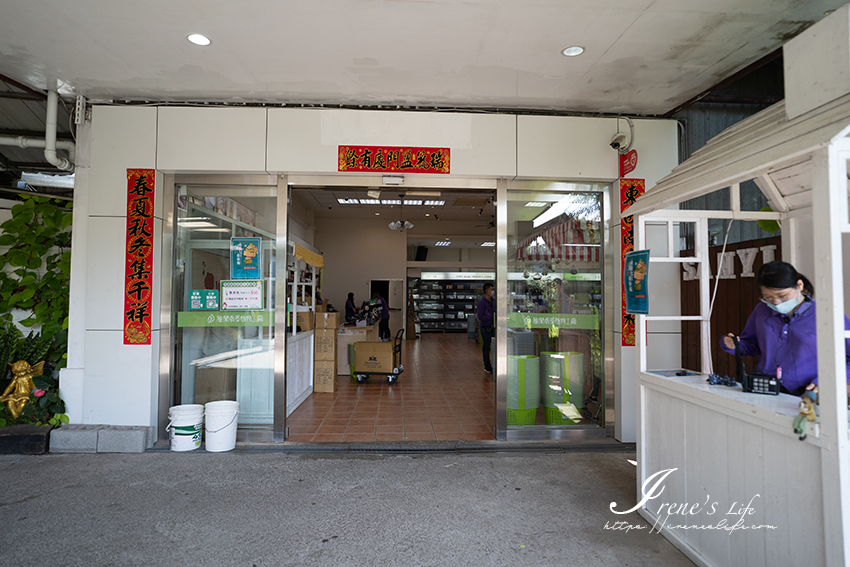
(373, 357)
(304, 319)
(324, 376)
(327, 320)
(325, 344)
(321, 308)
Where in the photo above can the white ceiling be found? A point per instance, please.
(642, 56)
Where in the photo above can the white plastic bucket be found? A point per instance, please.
(221, 425)
(185, 424)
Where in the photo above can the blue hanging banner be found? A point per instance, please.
(246, 258)
(636, 278)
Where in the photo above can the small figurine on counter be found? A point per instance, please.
(807, 413)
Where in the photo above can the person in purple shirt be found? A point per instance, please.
(384, 326)
(486, 311)
(781, 329)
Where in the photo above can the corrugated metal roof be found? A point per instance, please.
(765, 142)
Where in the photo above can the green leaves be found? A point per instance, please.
(37, 241)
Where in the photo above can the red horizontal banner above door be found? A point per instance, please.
(394, 159)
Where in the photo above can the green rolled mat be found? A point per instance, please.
(561, 378)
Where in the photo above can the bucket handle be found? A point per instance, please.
(167, 427)
(235, 415)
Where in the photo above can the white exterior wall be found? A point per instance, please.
(110, 383)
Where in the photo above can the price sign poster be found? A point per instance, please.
(246, 258)
(636, 278)
(241, 295)
(138, 257)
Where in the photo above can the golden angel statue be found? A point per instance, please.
(17, 393)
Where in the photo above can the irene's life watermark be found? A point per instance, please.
(687, 516)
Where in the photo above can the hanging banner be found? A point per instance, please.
(394, 159)
(138, 259)
(628, 162)
(246, 258)
(636, 278)
(630, 190)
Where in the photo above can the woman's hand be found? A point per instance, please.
(728, 342)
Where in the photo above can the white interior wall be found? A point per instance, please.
(357, 251)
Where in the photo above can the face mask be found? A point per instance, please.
(785, 307)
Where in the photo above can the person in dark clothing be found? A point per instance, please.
(350, 309)
(486, 314)
(384, 326)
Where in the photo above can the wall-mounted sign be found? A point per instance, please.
(630, 190)
(138, 257)
(394, 159)
(241, 295)
(246, 258)
(636, 278)
(628, 162)
(203, 300)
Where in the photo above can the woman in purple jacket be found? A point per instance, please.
(781, 329)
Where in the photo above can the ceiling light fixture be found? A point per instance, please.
(412, 202)
(198, 39)
(348, 201)
(391, 201)
(535, 204)
(370, 202)
(572, 51)
(488, 244)
(442, 243)
(435, 203)
(401, 224)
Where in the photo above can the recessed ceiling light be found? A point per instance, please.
(413, 202)
(348, 201)
(370, 202)
(377, 214)
(435, 203)
(573, 51)
(535, 204)
(427, 214)
(198, 39)
(390, 201)
(488, 244)
(442, 243)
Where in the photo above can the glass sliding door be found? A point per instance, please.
(554, 370)
(224, 299)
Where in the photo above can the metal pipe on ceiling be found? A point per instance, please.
(49, 143)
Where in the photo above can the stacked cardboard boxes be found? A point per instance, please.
(324, 376)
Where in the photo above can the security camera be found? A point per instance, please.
(618, 140)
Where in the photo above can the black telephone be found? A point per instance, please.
(754, 383)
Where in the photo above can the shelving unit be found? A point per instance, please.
(301, 282)
(444, 304)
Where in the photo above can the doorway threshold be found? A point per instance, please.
(421, 447)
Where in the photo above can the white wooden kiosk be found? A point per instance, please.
(736, 456)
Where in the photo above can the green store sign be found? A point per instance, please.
(225, 318)
(553, 320)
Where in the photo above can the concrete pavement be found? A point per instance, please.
(311, 509)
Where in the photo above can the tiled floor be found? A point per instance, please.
(443, 394)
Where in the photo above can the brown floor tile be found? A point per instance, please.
(328, 438)
(332, 429)
(395, 430)
(359, 437)
(419, 426)
(360, 429)
(300, 437)
(479, 436)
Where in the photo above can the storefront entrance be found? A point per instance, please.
(236, 337)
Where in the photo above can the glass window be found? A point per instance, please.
(554, 315)
(224, 300)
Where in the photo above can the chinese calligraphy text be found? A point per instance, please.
(138, 267)
(394, 159)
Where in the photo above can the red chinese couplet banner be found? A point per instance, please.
(138, 266)
(394, 159)
(630, 190)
